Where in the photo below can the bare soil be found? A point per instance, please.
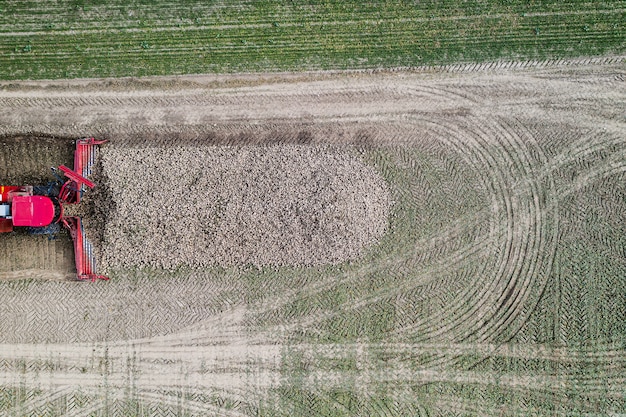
(27, 158)
(494, 286)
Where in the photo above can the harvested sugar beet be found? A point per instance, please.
(260, 205)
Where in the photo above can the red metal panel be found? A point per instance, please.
(34, 211)
(6, 192)
(79, 179)
(84, 158)
(85, 155)
(83, 251)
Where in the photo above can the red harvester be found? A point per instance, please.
(40, 208)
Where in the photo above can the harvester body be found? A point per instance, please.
(21, 206)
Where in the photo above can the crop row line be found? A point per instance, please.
(375, 21)
(239, 41)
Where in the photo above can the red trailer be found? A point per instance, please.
(40, 208)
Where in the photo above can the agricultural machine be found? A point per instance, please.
(40, 208)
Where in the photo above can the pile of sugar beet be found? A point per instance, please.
(171, 206)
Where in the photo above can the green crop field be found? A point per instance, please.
(82, 38)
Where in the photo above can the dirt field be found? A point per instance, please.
(494, 283)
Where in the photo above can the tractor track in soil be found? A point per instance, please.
(482, 165)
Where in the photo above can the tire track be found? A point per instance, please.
(37, 402)
(308, 323)
(86, 411)
(274, 303)
(551, 207)
(504, 199)
(188, 405)
(529, 272)
(542, 206)
(550, 168)
(94, 313)
(609, 358)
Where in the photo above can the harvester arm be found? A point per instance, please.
(84, 158)
(77, 178)
(71, 193)
(83, 251)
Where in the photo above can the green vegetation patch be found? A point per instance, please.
(70, 39)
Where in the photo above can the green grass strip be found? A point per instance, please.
(69, 39)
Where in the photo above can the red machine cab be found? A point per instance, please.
(33, 211)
